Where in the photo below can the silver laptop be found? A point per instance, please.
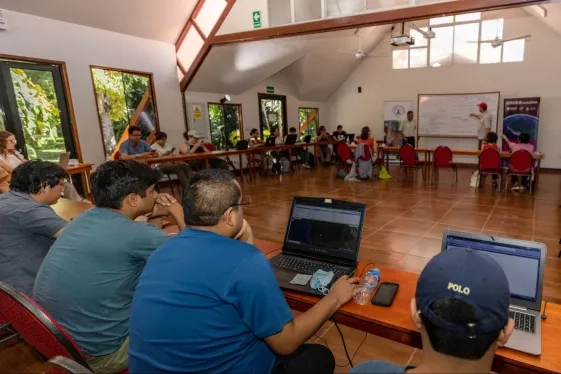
(523, 263)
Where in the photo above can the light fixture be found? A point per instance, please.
(540, 10)
(225, 99)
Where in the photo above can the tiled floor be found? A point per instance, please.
(403, 229)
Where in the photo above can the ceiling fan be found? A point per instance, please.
(497, 42)
(359, 53)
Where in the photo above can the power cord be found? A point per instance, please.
(364, 268)
(349, 358)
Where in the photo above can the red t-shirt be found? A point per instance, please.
(491, 146)
(370, 141)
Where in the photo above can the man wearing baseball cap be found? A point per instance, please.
(461, 307)
(485, 118)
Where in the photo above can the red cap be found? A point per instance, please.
(482, 105)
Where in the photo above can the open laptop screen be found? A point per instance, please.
(324, 230)
(521, 264)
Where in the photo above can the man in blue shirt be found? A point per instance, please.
(461, 307)
(208, 303)
(87, 279)
(135, 148)
(28, 225)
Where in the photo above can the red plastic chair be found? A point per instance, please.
(36, 327)
(408, 160)
(490, 164)
(345, 155)
(521, 164)
(210, 147)
(443, 160)
(117, 156)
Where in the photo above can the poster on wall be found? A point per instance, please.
(394, 113)
(521, 115)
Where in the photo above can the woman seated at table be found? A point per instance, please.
(254, 139)
(180, 169)
(10, 159)
(194, 144)
(365, 137)
(520, 183)
(324, 150)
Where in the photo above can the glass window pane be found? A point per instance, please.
(465, 43)
(492, 29)
(385, 4)
(190, 47)
(468, 17)
(489, 55)
(2, 120)
(420, 40)
(180, 74)
(418, 58)
(441, 20)
(307, 10)
(279, 12)
(514, 51)
(36, 99)
(441, 46)
(209, 14)
(344, 7)
(308, 122)
(400, 58)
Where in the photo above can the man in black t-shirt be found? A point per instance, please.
(340, 136)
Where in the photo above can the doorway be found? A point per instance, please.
(33, 106)
(272, 114)
(226, 125)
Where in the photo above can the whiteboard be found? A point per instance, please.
(448, 115)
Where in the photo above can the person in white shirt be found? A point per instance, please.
(485, 118)
(10, 159)
(180, 169)
(408, 129)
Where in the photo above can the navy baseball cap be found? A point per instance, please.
(472, 277)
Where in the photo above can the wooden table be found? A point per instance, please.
(395, 323)
(84, 170)
(429, 152)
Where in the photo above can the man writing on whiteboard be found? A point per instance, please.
(485, 126)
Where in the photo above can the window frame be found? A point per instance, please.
(453, 54)
(223, 105)
(150, 77)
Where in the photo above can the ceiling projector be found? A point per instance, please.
(402, 40)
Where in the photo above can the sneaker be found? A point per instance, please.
(515, 188)
(306, 165)
(495, 184)
(522, 188)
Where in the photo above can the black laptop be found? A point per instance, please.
(321, 234)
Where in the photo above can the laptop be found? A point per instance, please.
(523, 263)
(321, 234)
(64, 160)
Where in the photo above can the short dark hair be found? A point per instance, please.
(321, 128)
(161, 135)
(492, 137)
(339, 127)
(410, 112)
(524, 138)
(31, 176)
(253, 131)
(461, 346)
(292, 129)
(115, 180)
(208, 195)
(273, 129)
(133, 129)
(364, 132)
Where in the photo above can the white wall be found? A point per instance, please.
(250, 105)
(538, 75)
(240, 17)
(80, 47)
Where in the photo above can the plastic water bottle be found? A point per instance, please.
(367, 287)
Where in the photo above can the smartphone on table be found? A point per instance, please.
(385, 294)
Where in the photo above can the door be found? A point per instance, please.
(226, 126)
(33, 107)
(272, 114)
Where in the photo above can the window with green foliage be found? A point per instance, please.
(123, 99)
(308, 119)
(225, 125)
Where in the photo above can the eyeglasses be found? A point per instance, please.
(243, 203)
(13, 141)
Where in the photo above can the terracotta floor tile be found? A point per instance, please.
(379, 257)
(437, 231)
(427, 248)
(522, 236)
(553, 246)
(409, 226)
(392, 241)
(412, 264)
(474, 220)
(551, 230)
(510, 226)
(426, 214)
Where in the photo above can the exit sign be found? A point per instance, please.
(270, 89)
(257, 19)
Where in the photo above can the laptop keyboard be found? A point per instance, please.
(523, 321)
(306, 266)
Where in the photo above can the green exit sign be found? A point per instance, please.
(270, 89)
(257, 19)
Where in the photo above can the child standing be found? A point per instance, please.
(523, 144)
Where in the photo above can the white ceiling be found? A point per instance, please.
(310, 63)
(143, 18)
